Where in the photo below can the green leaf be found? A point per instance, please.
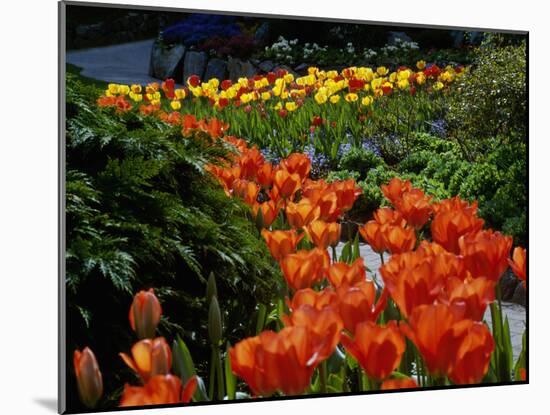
(260, 322)
(230, 379)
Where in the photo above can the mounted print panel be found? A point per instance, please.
(262, 207)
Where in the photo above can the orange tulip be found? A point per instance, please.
(474, 353)
(398, 239)
(402, 383)
(324, 325)
(378, 349)
(324, 234)
(358, 304)
(372, 230)
(417, 278)
(388, 215)
(341, 273)
(415, 207)
(447, 341)
(328, 205)
(145, 314)
(285, 184)
(149, 358)
(271, 362)
(281, 243)
(302, 213)
(346, 192)
(246, 190)
(297, 163)
(372, 234)
(269, 210)
(305, 268)
(264, 175)
(486, 253)
(250, 162)
(474, 294)
(88, 377)
(453, 219)
(519, 263)
(395, 189)
(316, 299)
(159, 390)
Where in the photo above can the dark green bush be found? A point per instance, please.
(360, 160)
(142, 212)
(491, 100)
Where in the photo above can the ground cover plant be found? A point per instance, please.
(195, 205)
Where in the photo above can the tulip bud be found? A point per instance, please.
(88, 376)
(211, 288)
(145, 314)
(215, 322)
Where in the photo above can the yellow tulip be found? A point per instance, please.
(421, 65)
(351, 97)
(335, 99)
(312, 70)
(135, 97)
(112, 88)
(246, 98)
(180, 93)
(175, 104)
(438, 85)
(214, 83)
(136, 89)
(332, 74)
(321, 97)
(367, 100)
(404, 74)
(291, 106)
(266, 96)
(278, 106)
(403, 84)
(288, 78)
(393, 77)
(382, 70)
(420, 78)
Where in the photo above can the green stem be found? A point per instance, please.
(494, 316)
(323, 376)
(212, 374)
(221, 386)
(382, 258)
(334, 256)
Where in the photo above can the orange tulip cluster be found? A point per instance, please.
(441, 288)
(151, 360)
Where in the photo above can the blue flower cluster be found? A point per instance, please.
(320, 163)
(439, 128)
(199, 27)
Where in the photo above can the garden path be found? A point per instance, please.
(126, 63)
(516, 313)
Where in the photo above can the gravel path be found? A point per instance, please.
(124, 64)
(516, 313)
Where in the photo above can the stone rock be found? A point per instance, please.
(302, 67)
(166, 62)
(520, 295)
(216, 68)
(266, 66)
(240, 69)
(508, 284)
(194, 63)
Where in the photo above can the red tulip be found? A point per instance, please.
(269, 210)
(297, 163)
(324, 234)
(316, 299)
(302, 213)
(286, 184)
(145, 314)
(395, 189)
(415, 207)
